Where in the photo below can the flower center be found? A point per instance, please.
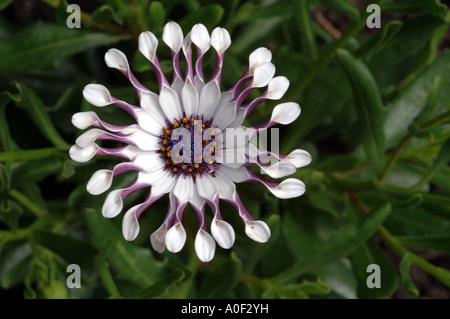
(188, 147)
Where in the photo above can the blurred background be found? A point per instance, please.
(375, 118)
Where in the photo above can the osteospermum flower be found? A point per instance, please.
(178, 145)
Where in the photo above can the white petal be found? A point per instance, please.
(289, 188)
(299, 158)
(209, 99)
(225, 186)
(157, 239)
(280, 169)
(175, 238)
(148, 122)
(198, 83)
(258, 57)
(223, 233)
(224, 115)
(130, 152)
(177, 85)
(149, 162)
(286, 113)
(170, 104)
(83, 120)
(97, 95)
(184, 188)
(113, 204)
(205, 186)
(238, 119)
(150, 102)
(145, 141)
(151, 178)
(233, 157)
(130, 224)
(257, 230)
(88, 138)
(83, 154)
(200, 37)
(165, 184)
(187, 42)
(263, 74)
(196, 200)
(100, 182)
(237, 175)
(148, 44)
(220, 39)
(190, 99)
(205, 246)
(173, 36)
(277, 87)
(116, 59)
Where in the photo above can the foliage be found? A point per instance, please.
(375, 116)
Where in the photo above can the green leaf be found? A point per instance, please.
(5, 138)
(4, 178)
(72, 250)
(342, 243)
(303, 18)
(223, 279)
(379, 40)
(321, 201)
(338, 163)
(69, 96)
(210, 16)
(407, 282)
(13, 264)
(10, 213)
(402, 111)
(31, 103)
(368, 254)
(157, 15)
(441, 161)
(17, 273)
(442, 201)
(102, 267)
(161, 286)
(4, 3)
(411, 201)
(43, 44)
(417, 221)
(133, 262)
(291, 292)
(314, 288)
(397, 54)
(428, 242)
(68, 169)
(369, 108)
(427, 55)
(416, 6)
(342, 6)
(36, 170)
(103, 14)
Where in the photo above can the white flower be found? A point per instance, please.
(180, 144)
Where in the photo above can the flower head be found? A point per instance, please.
(183, 143)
